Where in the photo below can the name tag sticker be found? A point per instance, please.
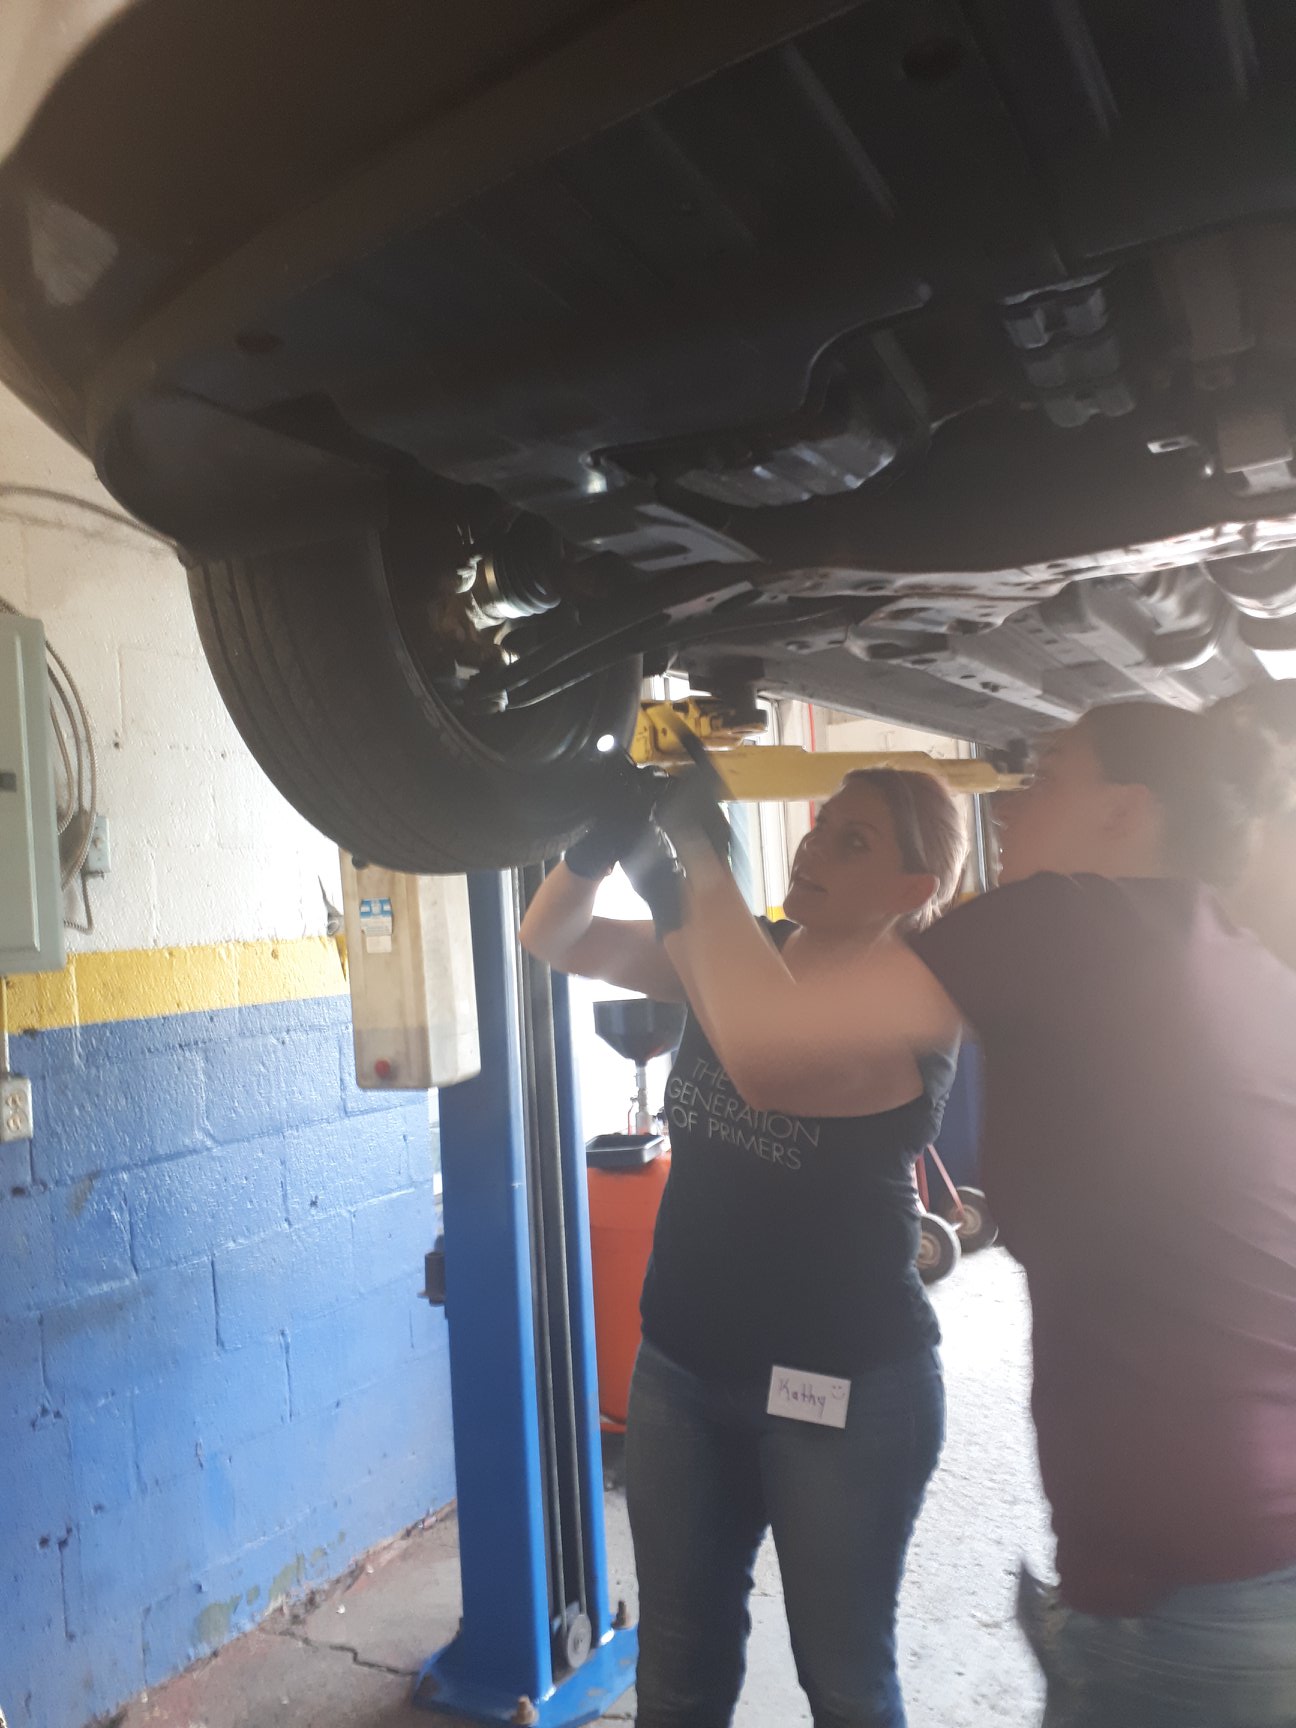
(808, 1397)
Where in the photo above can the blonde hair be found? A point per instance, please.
(929, 830)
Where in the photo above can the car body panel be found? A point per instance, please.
(870, 327)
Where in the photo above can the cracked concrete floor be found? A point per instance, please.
(348, 1657)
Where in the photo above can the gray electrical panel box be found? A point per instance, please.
(31, 898)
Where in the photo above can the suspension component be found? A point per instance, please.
(516, 574)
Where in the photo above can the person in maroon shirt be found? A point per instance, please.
(1140, 1155)
(1263, 898)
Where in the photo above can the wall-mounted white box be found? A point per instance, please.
(410, 967)
(31, 898)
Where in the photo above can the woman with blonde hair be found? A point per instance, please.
(788, 1378)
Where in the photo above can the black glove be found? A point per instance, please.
(657, 877)
(689, 805)
(624, 812)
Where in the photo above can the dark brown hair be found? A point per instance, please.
(1213, 774)
(929, 830)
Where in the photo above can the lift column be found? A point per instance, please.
(539, 1641)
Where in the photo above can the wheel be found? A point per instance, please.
(978, 1229)
(938, 1249)
(318, 655)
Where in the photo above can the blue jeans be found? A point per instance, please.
(708, 1472)
(1213, 1656)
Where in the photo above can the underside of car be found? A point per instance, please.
(932, 360)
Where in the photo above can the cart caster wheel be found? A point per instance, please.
(978, 1229)
(938, 1249)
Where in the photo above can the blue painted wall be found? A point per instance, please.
(217, 1379)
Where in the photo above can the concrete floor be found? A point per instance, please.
(347, 1657)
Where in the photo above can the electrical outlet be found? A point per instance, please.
(15, 1107)
(99, 857)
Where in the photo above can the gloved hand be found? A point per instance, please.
(690, 810)
(628, 795)
(689, 807)
(657, 877)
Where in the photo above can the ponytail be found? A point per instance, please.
(1263, 723)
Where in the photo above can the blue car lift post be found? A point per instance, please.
(539, 1642)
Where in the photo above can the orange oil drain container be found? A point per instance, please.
(627, 1173)
(623, 1210)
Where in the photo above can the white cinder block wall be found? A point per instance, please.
(203, 847)
(217, 1381)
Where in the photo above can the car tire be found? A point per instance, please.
(310, 654)
(939, 1249)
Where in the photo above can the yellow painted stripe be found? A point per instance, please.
(146, 983)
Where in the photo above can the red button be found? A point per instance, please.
(383, 1068)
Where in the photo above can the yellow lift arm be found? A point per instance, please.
(784, 773)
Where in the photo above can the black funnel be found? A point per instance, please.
(639, 1029)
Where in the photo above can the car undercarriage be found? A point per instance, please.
(936, 361)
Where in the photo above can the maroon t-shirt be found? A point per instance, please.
(1139, 1153)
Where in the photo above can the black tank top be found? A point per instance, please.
(787, 1240)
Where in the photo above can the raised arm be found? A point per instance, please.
(782, 1041)
(560, 928)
